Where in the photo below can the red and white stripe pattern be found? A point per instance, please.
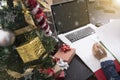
(39, 16)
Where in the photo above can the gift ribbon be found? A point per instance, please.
(27, 15)
(28, 72)
(28, 19)
(65, 48)
(63, 65)
(44, 4)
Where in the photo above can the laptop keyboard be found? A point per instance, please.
(80, 34)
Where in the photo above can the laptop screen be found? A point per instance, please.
(70, 15)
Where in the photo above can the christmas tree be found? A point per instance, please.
(25, 44)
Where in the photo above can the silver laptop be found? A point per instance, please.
(73, 27)
(71, 20)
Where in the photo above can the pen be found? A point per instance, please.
(101, 52)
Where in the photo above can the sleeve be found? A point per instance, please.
(109, 69)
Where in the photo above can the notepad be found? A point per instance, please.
(109, 34)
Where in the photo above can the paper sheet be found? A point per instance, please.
(109, 34)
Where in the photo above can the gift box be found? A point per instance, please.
(66, 56)
(31, 50)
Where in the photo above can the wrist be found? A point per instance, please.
(105, 59)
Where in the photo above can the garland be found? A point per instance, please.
(39, 16)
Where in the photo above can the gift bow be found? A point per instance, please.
(28, 17)
(63, 65)
(65, 47)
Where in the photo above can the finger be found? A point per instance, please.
(101, 48)
(95, 49)
(95, 46)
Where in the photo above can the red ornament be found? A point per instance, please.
(50, 72)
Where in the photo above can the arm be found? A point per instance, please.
(107, 64)
(109, 69)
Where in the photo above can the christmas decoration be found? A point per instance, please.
(65, 48)
(39, 16)
(28, 18)
(66, 56)
(17, 75)
(56, 71)
(48, 71)
(63, 65)
(45, 4)
(12, 19)
(61, 76)
(2, 3)
(31, 51)
(7, 38)
(16, 18)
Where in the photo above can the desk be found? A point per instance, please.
(78, 70)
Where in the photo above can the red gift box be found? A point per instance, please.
(66, 56)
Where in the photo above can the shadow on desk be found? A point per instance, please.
(78, 70)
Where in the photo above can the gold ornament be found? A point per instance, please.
(44, 4)
(31, 51)
(28, 18)
(17, 75)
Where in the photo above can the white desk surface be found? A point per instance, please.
(109, 34)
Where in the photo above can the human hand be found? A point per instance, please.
(98, 51)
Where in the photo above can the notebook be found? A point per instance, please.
(110, 37)
(72, 23)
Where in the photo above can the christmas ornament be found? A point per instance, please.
(14, 74)
(27, 74)
(3, 3)
(39, 16)
(6, 38)
(31, 51)
(48, 71)
(28, 19)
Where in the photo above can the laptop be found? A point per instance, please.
(71, 20)
(73, 27)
